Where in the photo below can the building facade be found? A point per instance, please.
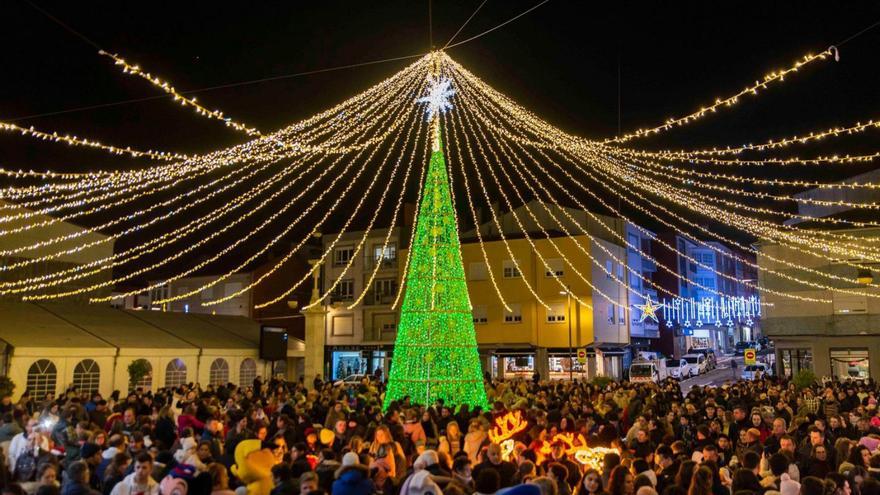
(839, 338)
(518, 336)
(698, 281)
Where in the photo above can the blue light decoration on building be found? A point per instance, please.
(721, 311)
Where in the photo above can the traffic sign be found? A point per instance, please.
(582, 356)
(750, 356)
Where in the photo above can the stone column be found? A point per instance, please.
(315, 331)
(542, 362)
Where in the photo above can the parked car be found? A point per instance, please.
(708, 353)
(751, 371)
(696, 364)
(677, 368)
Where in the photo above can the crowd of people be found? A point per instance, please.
(765, 436)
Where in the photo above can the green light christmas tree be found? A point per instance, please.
(435, 354)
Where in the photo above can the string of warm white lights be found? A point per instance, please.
(519, 166)
(385, 111)
(772, 77)
(588, 191)
(287, 229)
(478, 110)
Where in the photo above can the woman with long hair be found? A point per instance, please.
(451, 442)
(621, 482)
(685, 473)
(859, 456)
(701, 482)
(590, 484)
(818, 465)
(746, 479)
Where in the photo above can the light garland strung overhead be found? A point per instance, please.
(373, 141)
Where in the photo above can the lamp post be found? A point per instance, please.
(567, 293)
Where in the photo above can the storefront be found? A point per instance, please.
(562, 365)
(358, 360)
(512, 364)
(850, 364)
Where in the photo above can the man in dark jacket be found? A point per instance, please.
(299, 463)
(78, 480)
(505, 469)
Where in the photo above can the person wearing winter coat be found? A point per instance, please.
(78, 480)
(352, 477)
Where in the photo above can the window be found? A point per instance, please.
(635, 282)
(386, 255)
(159, 293)
(480, 314)
(554, 268)
(707, 282)
(146, 382)
(387, 330)
(478, 271)
(175, 373)
(41, 378)
(620, 271)
(633, 241)
(610, 313)
(207, 293)
(511, 269)
(621, 315)
(385, 290)
(850, 363)
(280, 368)
(514, 315)
(182, 290)
(794, 360)
(556, 313)
(343, 255)
(219, 374)
(344, 290)
(87, 376)
(609, 268)
(247, 372)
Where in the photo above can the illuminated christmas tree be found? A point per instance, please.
(435, 354)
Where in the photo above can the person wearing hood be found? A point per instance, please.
(352, 477)
(139, 482)
(282, 478)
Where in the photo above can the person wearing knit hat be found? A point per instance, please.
(429, 460)
(352, 477)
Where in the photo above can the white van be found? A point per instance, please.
(643, 370)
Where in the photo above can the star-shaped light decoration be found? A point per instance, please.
(649, 309)
(438, 96)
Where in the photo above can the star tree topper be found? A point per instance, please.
(438, 96)
(649, 309)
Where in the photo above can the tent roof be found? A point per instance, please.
(204, 331)
(240, 326)
(115, 326)
(28, 325)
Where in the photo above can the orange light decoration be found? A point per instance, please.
(507, 426)
(576, 447)
(504, 430)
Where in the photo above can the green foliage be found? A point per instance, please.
(804, 378)
(137, 370)
(7, 386)
(601, 381)
(435, 354)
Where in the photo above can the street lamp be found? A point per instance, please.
(567, 294)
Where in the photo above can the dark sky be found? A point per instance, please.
(561, 61)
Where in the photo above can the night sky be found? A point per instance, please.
(561, 61)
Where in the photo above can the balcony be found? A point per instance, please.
(374, 298)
